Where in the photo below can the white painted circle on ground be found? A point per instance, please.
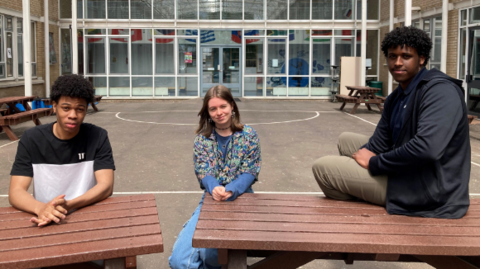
(195, 124)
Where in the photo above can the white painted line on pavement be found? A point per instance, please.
(475, 164)
(9, 143)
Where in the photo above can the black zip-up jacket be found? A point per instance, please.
(428, 167)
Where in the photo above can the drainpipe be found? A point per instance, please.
(443, 64)
(46, 23)
(363, 73)
(390, 28)
(408, 12)
(74, 38)
(27, 63)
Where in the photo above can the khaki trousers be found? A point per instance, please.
(342, 178)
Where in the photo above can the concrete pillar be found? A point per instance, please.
(74, 38)
(443, 63)
(47, 48)
(363, 72)
(27, 63)
(408, 12)
(390, 28)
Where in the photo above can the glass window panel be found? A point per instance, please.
(186, 9)
(188, 32)
(372, 49)
(299, 9)
(322, 9)
(254, 56)
(164, 60)
(299, 55)
(187, 86)
(343, 47)
(209, 9)
(344, 10)
(119, 86)
(474, 15)
(163, 9)
(97, 32)
(416, 24)
(142, 86)
(436, 53)
(321, 86)
(321, 49)
(9, 24)
(20, 54)
(276, 86)
(19, 26)
(141, 9)
(95, 9)
(210, 65)
(165, 32)
(142, 54)
(165, 86)
(463, 17)
(372, 9)
(321, 32)
(1, 42)
(232, 10)
(80, 49)
(277, 9)
(276, 56)
(463, 44)
(79, 9)
(344, 32)
(34, 69)
(298, 86)
(254, 10)
(99, 85)
(95, 55)
(118, 9)
(187, 56)
(10, 54)
(32, 44)
(253, 86)
(2, 70)
(224, 37)
(276, 32)
(65, 43)
(254, 32)
(426, 26)
(121, 32)
(118, 55)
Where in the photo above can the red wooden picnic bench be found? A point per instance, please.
(12, 117)
(361, 95)
(292, 230)
(115, 230)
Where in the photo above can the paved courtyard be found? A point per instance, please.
(152, 146)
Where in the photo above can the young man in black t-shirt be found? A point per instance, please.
(70, 162)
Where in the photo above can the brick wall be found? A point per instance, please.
(383, 69)
(452, 43)
(37, 89)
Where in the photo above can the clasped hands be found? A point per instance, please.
(219, 194)
(55, 210)
(362, 156)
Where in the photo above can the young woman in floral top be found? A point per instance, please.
(227, 161)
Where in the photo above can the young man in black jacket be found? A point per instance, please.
(418, 160)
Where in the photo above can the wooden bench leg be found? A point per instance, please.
(94, 107)
(354, 108)
(368, 106)
(237, 259)
(131, 262)
(118, 263)
(343, 105)
(37, 122)
(10, 133)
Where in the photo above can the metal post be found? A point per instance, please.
(390, 28)
(27, 63)
(443, 63)
(408, 12)
(363, 73)
(74, 38)
(47, 48)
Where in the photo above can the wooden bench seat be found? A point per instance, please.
(28, 115)
(346, 98)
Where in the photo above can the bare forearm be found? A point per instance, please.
(24, 201)
(98, 193)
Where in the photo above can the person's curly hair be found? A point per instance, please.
(72, 86)
(408, 36)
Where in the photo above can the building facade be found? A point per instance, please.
(147, 49)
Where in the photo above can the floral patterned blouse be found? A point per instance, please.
(243, 156)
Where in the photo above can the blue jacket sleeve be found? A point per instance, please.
(439, 112)
(210, 183)
(240, 185)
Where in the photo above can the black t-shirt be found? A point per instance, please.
(62, 166)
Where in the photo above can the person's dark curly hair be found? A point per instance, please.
(408, 36)
(72, 86)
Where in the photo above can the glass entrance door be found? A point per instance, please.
(221, 65)
(473, 72)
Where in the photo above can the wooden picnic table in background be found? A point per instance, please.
(115, 230)
(12, 117)
(359, 95)
(292, 230)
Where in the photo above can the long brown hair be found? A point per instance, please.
(204, 126)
